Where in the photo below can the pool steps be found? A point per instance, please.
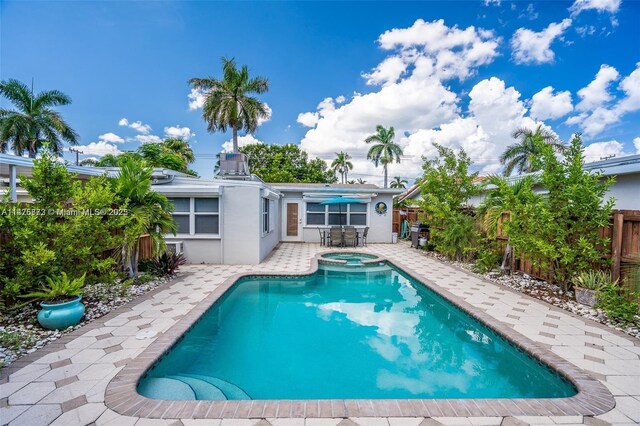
(191, 387)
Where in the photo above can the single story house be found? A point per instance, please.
(236, 218)
(625, 190)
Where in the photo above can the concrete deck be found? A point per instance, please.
(65, 383)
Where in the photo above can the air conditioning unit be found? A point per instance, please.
(174, 247)
(232, 164)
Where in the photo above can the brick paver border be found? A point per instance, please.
(121, 396)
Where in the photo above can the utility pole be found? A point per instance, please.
(77, 151)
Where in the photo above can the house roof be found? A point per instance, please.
(24, 167)
(334, 187)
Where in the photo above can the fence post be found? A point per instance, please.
(616, 245)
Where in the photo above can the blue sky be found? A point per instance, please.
(462, 73)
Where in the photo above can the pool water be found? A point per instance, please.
(344, 332)
(350, 258)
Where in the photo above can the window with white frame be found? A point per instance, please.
(268, 216)
(196, 215)
(336, 214)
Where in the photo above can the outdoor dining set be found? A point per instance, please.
(343, 236)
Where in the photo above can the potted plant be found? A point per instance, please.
(62, 305)
(588, 283)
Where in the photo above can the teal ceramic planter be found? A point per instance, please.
(58, 316)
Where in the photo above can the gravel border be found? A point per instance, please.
(99, 299)
(544, 291)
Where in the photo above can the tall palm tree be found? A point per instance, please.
(149, 211)
(522, 155)
(33, 124)
(342, 165)
(384, 150)
(398, 182)
(228, 102)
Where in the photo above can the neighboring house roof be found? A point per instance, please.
(616, 166)
(412, 192)
(334, 188)
(24, 167)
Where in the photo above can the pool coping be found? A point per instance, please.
(121, 396)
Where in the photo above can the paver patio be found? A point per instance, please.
(65, 382)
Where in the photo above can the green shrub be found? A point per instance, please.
(487, 260)
(614, 300)
(16, 340)
(594, 280)
(458, 239)
(60, 288)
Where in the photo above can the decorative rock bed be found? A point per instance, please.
(546, 292)
(20, 333)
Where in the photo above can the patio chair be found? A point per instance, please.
(322, 236)
(364, 236)
(350, 236)
(335, 236)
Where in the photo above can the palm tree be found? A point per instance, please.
(523, 155)
(179, 147)
(398, 182)
(342, 165)
(361, 181)
(33, 124)
(227, 102)
(384, 150)
(148, 212)
(503, 196)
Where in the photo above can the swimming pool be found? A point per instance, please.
(344, 332)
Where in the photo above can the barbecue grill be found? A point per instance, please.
(418, 229)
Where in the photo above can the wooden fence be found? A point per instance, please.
(623, 232)
(411, 215)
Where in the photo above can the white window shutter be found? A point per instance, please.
(272, 215)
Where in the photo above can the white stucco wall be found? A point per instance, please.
(200, 250)
(626, 191)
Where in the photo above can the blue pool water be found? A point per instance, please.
(344, 332)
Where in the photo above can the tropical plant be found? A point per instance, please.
(165, 265)
(148, 212)
(510, 197)
(34, 123)
(398, 182)
(446, 187)
(227, 102)
(361, 181)
(286, 163)
(173, 154)
(522, 155)
(342, 165)
(560, 231)
(593, 280)
(619, 304)
(60, 288)
(384, 150)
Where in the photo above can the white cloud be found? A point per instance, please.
(261, 121)
(585, 30)
(196, 99)
(340, 99)
(611, 6)
(308, 119)
(433, 48)
(242, 141)
(111, 137)
(530, 47)
(548, 105)
(146, 139)
(636, 144)
(599, 150)
(492, 2)
(178, 132)
(138, 126)
(529, 13)
(387, 72)
(596, 120)
(597, 93)
(99, 148)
